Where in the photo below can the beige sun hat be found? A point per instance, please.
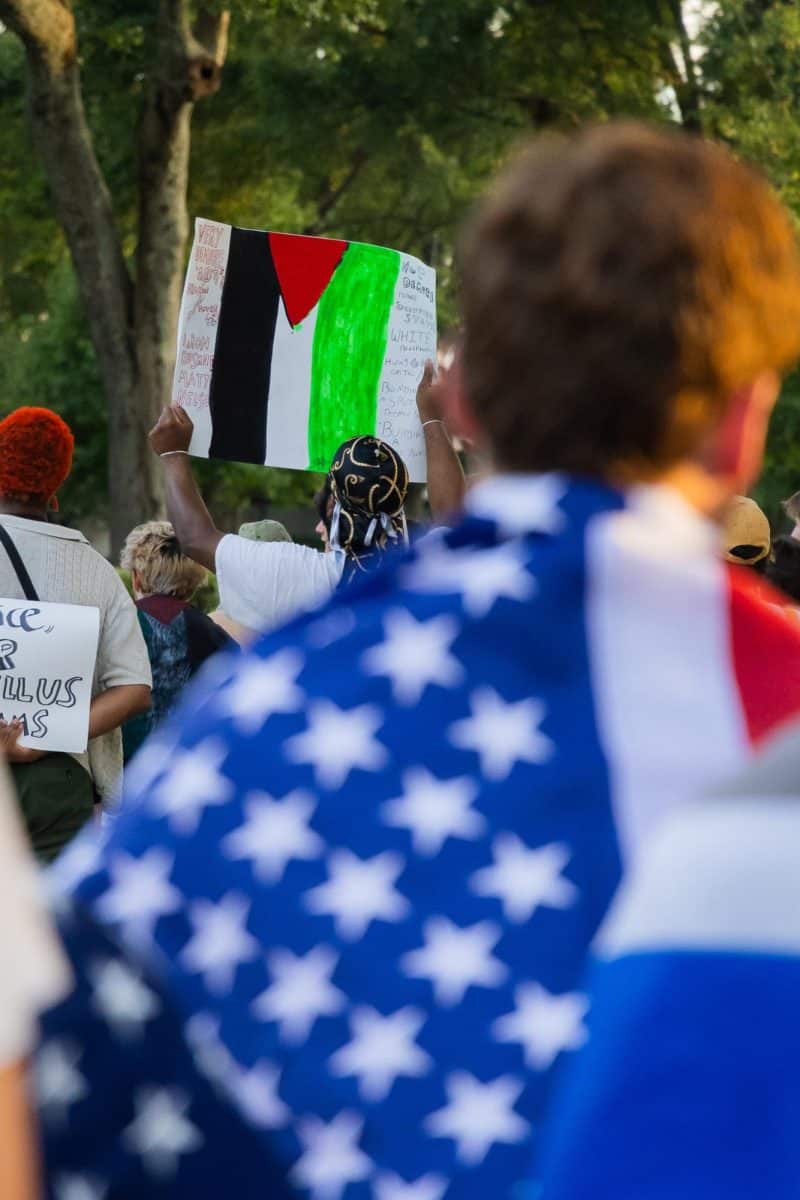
(746, 536)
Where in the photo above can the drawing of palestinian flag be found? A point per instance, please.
(288, 345)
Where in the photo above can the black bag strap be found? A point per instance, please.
(24, 578)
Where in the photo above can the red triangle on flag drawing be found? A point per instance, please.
(304, 266)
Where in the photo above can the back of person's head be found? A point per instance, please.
(364, 497)
(264, 531)
(783, 569)
(152, 551)
(618, 287)
(36, 448)
(746, 535)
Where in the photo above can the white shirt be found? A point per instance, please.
(65, 569)
(33, 973)
(264, 584)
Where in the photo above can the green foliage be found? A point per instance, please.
(781, 474)
(752, 70)
(380, 121)
(31, 245)
(207, 595)
(237, 492)
(47, 359)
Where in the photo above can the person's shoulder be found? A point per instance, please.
(200, 625)
(78, 546)
(269, 555)
(454, 578)
(110, 586)
(89, 573)
(251, 548)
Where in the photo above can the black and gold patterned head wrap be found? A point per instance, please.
(368, 481)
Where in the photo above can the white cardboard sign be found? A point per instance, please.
(47, 660)
(274, 370)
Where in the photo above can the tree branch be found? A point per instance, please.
(687, 83)
(45, 27)
(211, 31)
(332, 195)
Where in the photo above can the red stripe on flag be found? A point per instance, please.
(765, 640)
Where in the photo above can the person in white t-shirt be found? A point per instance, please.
(264, 530)
(262, 584)
(33, 976)
(361, 513)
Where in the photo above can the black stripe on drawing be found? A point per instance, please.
(243, 351)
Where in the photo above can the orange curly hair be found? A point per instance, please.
(35, 453)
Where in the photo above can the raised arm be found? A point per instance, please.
(191, 520)
(446, 485)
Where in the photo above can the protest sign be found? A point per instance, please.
(47, 660)
(289, 345)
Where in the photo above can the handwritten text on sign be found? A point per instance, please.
(197, 325)
(47, 660)
(412, 340)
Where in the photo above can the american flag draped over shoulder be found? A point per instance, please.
(333, 946)
(690, 1083)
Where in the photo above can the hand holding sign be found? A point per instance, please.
(172, 432)
(428, 393)
(10, 748)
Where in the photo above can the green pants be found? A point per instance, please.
(56, 798)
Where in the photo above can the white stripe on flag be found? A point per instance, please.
(290, 391)
(668, 707)
(717, 876)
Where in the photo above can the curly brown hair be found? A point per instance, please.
(618, 286)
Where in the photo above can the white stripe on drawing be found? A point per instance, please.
(717, 876)
(290, 391)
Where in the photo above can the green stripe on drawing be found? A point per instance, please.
(350, 340)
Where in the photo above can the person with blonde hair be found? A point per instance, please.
(179, 637)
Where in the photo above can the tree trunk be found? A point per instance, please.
(185, 72)
(82, 205)
(132, 329)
